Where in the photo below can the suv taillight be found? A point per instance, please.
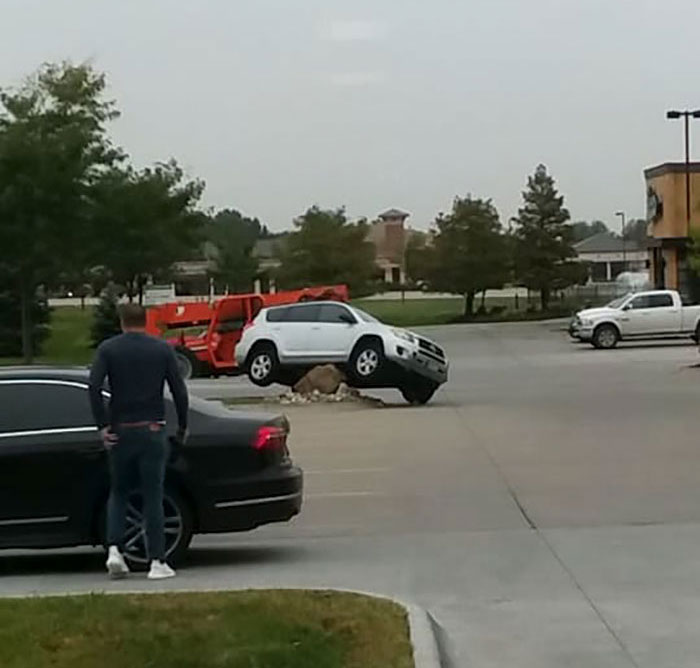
(270, 439)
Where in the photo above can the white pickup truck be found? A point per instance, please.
(640, 315)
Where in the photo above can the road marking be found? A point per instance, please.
(344, 471)
(340, 495)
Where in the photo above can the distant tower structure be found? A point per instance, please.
(389, 235)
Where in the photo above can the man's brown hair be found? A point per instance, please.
(132, 316)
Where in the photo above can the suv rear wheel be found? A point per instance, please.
(263, 365)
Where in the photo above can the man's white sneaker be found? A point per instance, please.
(160, 570)
(116, 566)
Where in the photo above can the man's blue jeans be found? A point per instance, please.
(144, 449)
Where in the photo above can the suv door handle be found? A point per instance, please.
(316, 328)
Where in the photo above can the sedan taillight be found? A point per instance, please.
(270, 439)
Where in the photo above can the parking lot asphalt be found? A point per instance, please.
(545, 507)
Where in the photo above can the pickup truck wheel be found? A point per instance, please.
(263, 365)
(605, 337)
(367, 360)
(696, 336)
(420, 392)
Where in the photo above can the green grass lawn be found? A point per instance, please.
(413, 312)
(417, 312)
(69, 341)
(266, 629)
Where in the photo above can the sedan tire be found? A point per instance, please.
(179, 527)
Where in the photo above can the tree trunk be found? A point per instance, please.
(469, 305)
(27, 326)
(544, 298)
(82, 302)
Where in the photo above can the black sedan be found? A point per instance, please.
(234, 473)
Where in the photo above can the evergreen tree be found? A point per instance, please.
(105, 323)
(543, 239)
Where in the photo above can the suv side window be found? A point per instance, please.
(660, 301)
(303, 313)
(34, 405)
(335, 313)
(277, 314)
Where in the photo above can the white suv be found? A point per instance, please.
(284, 340)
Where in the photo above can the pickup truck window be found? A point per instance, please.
(616, 303)
(651, 301)
(660, 301)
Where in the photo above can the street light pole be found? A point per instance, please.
(621, 215)
(686, 116)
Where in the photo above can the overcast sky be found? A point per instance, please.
(280, 104)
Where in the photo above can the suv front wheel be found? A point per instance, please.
(367, 361)
(419, 391)
(263, 365)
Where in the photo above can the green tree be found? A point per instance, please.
(11, 318)
(419, 258)
(582, 230)
(636, 230)
(231, 240)
(148, 221)
(326, 248)
(105, 322)
(470, 251)
(543, 239)
(53, 146)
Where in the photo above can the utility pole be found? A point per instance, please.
(686, 116)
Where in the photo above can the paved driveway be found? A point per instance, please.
(545, 508)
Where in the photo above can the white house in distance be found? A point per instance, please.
(609, 256)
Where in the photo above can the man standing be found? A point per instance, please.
(137, 367)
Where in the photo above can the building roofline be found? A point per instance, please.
(394, 213)
(671, 168)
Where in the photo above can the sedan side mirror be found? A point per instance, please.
(347, 319)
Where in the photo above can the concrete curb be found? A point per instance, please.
(426, 653)
(423, 628)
